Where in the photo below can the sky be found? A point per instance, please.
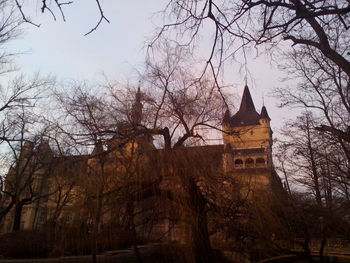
(117, 50)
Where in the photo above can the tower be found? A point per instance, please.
(247, 137)
(131, 135)
(136, 111)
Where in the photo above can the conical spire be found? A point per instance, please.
(247, 104)
(138, 95)
(227, 117)
(246, 114)
(136, 112)
(264, 114)
(98, 148)
(44, 147)
(44, 150)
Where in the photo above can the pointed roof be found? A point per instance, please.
(98, 149)
(136, 111)
(44, 148)
(138, 95)
(246, 114)
(247, 104)
(27, 149)
(227, 117)
(264, 114)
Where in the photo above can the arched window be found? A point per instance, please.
(249, 163)
(260, 162)
(238, 163)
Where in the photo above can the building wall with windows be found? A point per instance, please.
(247, 137)
(246, 155)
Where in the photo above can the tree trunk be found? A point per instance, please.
(95, 228)
(17, 217)
(94, 249)
(313, 163)
(132, 227)
(200, 242)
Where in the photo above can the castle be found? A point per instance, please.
(246, 154)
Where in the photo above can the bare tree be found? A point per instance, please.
(318, 163)
(20, 124)
(55, 9)
(172, 108)
(17, 117)
(323, 88)
(175, 108)
(317, 30)
(316, 167)
(88, 114)
(24, 184)
(19, 97)
(236, 25)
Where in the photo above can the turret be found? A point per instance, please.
(98, 149)
(264, 117)
(27, 151)
(44, 151)
(44, 148)
(144, 140)
(125, 140)
(226, 118)
(265, 122)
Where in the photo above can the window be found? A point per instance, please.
(249, 163)
(238, 163)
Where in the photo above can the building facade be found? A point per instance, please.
(246, 155)
(247, 138)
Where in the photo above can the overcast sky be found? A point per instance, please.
(117, 49)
